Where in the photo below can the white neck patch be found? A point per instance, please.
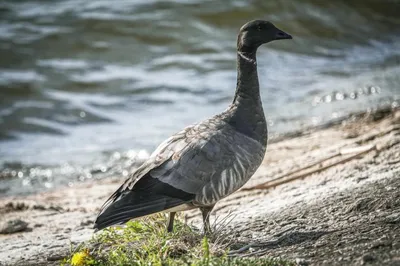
(247, 58)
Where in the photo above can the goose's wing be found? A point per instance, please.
(200, 164)
(153, 186)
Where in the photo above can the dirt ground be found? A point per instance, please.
(334, 200)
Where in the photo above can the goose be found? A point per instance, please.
(205, 162)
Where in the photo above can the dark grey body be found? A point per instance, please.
(205, 162)
(209, 160)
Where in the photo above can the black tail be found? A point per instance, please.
(133, 205)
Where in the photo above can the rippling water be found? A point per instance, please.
(89, 88)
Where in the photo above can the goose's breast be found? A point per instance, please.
(243, 159)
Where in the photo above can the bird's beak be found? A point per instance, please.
(280, 35)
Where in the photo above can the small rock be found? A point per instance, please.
(39, 207)
(56, 208)
(360, 178)
(351, 135)
(16, 206)
(380, 244)
(55, 257)
(301, 262)
(368, 258)
(339, 244)
(393, 218)
(13, 226)
(60, 236)
(87, 222)
(352, 219)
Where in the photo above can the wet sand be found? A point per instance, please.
(337, 202)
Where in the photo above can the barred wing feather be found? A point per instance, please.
(197, 166)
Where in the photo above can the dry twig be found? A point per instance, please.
(358, 150)
(278, 181)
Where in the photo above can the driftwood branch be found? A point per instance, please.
(261, 186)
(278, 181)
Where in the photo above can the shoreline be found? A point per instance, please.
(97, 174)
(64, 216)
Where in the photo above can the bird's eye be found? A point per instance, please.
(259, 27)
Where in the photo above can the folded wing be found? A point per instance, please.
(199, 165)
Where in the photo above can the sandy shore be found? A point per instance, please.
(337, 202)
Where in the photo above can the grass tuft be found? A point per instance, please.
(146, 242)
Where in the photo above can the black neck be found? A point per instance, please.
(248, 117)
(247, 87)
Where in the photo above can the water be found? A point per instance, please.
(89, 88)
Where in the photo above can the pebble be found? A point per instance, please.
(13, 226)
(393, 218)
(368, 258)
(380, 244)
(301, 262)
(55, 257)
(87, 222)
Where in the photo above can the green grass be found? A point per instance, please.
(146, 242)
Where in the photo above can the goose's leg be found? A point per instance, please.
(170, 225)
(205, 211)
